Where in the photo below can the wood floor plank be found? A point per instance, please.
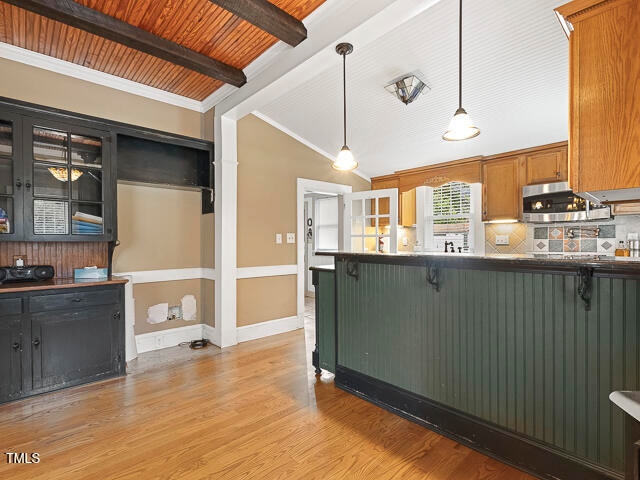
(255, 411)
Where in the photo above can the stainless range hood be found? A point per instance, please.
(621, 195)
(555, 202)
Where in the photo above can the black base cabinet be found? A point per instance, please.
(10, 357)
(60, 338)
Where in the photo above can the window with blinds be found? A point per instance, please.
(452, 215)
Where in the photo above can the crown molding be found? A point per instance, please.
(302, 140)
(21, 55)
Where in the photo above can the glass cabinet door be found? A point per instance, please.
(11, 181)
(67, 195)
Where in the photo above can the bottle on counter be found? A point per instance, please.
(633, 243)
(622, 250)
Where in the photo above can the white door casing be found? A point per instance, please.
(363, 229)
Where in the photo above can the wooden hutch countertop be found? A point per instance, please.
(57, 283)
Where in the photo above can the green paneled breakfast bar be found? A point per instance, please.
(513, 355)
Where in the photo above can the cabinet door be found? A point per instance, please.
(11, 178)
(10, 357)
(72, 347)
(604, 137)
(68, 194)
(546, 167)
(501, 189)
(408, 208)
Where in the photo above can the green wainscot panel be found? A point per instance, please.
(516, 349)
(324, 281)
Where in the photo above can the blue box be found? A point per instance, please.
(90, 273)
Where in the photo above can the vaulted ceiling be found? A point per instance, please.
(203, 45)
(515, 87)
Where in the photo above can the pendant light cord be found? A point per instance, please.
(460, 57)
(344, 97)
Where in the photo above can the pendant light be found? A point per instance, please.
(344, 160)
(461, 127)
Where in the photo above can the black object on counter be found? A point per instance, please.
(34, 273)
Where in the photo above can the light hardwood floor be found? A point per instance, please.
(254, 411)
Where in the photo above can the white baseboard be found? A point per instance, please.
(209, 333)
(147, 342)
(271, 327)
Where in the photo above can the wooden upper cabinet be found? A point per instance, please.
(546, 166)
(408, 208)
(604, 52)
(501, 188)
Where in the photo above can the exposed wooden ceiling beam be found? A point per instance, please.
(97, 23)
(266, 16)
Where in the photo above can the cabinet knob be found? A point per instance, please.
(16, 346)
(36, 342)
(27, 185)
(18, 183)
(77, 300)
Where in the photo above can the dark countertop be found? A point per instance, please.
(601, 265)
(323, 268)
(57, 283)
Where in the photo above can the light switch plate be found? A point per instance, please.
(278, 238)
(502, 239)
(291, 238)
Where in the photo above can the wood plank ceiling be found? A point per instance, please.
(197, 25)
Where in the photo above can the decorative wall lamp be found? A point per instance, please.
(344, 161)
(407, 89)
(461, 127)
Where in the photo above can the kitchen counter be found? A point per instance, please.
(602, 265)
(514, 355)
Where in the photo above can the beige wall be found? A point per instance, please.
(158, 228)
(35, 85)
(207, 124)
(269, 164)
(266, 298)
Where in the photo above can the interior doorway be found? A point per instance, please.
(307, 193)
(323, 230)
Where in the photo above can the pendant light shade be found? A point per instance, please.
(344, 161)
(461, 127)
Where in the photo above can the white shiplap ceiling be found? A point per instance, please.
(515, 87)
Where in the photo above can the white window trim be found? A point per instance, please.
(424, 228)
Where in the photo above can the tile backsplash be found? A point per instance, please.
(574, 238)
(517, 235)
(562, 237)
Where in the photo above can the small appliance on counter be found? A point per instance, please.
(555, 202)
(33, 273)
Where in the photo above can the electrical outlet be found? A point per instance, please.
(278, 238)
(291, 238)
(405, 242)
(20, 260)
(502, 239)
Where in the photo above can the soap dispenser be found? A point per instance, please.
(622, 251)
